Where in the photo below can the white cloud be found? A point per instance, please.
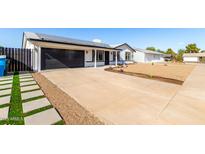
(97, 40)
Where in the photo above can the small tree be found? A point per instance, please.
(192, 48)
(158, 50)
(179, 56)
(151, 48)
(172, 53)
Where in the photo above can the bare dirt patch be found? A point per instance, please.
(172, 73)
(71, 111)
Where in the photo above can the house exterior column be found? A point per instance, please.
(39, 59)
(116, 58)
(95, 59)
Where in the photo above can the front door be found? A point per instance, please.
(107, 58)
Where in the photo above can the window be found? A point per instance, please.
(118, 55)
(99, 56)
(93, 55)
(127, 56)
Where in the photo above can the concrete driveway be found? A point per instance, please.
(115, 98)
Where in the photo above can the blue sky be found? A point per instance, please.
(161, 38)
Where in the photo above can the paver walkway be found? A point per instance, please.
(5, 96)
(6, 86)
(31, 94)
(5, 99)
(43, 118)
(35, 104)
(4, 113)
(36, 107)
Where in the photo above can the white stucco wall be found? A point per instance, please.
(191, 59)
(35, 62)
(139, 57)
(29, 45)
(153, 58)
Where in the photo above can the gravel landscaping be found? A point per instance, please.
(171, 72)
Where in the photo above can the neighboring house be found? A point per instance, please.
(129, 54)
(193, 57)
(52, 52)
(126, 54)
(168, 57)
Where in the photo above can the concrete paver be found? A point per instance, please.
(26, 79)
(32, 87)
(5, 100)
(31, 94)
(27, 83)
(5, 92)
(46, 117)
(5, 86)
(6, 82)
(35, 104)
(25, 76)
(4, 113)
(6, 78)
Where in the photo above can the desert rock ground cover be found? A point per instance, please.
(178, 72)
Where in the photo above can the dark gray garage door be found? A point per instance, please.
(60, 58)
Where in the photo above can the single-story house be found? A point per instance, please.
(193, 57)
(126, 54)
(129, 54)
(52, 52)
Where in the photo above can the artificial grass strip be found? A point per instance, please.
(4, 89)
(38, 110)
(33, 98)
(3, 122)
(5, 95)
(4, 105)
(61, 122)
(16, 110)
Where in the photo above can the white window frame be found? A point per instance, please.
(127, 56)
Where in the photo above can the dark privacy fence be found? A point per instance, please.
(18, 59)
